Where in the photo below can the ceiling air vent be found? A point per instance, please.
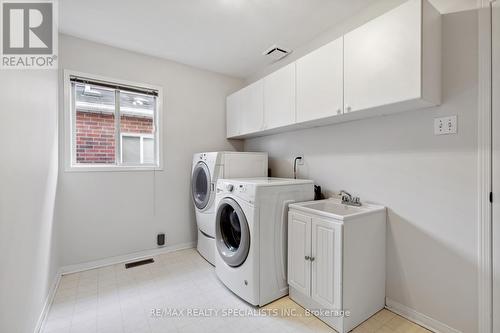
(276, 52)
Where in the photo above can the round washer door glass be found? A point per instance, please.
(232, 234)
(200, 185)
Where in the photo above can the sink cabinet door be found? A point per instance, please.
(326, 263)
(299, 246)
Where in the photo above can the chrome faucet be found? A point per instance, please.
(348, 199)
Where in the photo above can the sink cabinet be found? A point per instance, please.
(319, 239)
(337, 264)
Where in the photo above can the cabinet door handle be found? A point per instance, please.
(311, 258)
(307, 258)
(348, 108)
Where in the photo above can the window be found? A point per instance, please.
(137, 149)
(112, 125)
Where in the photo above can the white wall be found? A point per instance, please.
(105, 214)
(28, 179)
(427, 182)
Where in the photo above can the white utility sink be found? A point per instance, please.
(334, 208)
(340, 248)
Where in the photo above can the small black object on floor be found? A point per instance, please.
(139, 263)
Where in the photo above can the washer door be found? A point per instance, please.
(232, 234)
(200, 185)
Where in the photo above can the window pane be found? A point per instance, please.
(137, 119)
(95, 124)
(131, 150)
(148, 150)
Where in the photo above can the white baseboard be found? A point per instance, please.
(48, 302)
(419, 318)
(124, 258)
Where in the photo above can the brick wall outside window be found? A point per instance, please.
(95, 135)
(130, 124)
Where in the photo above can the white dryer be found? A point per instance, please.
(207, 168)
(251, 234)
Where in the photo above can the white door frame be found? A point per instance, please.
(484, 231)
(495, 112)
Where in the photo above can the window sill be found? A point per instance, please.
(111, 168)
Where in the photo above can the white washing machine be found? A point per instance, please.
(207, 169)
(251, 234)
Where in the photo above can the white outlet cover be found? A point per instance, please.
(445, 125)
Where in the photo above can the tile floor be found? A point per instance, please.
(114, 299)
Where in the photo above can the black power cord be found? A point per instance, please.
(295, 166)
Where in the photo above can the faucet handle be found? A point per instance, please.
(348, 199)
(345, 196)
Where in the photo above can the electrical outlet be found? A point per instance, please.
(161, 238)
(445, 125)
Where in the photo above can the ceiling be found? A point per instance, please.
(225, 36)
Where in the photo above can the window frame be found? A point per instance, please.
(69, 123)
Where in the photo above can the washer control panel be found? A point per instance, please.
(233, 188)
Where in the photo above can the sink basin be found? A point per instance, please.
(334, 208)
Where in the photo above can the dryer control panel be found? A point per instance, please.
(208, 158)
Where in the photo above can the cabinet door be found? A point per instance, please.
(382, 59)
(233, 115)
(252, 108)
(319, 83)
(326, 263)
(279, 97)
(299, 246)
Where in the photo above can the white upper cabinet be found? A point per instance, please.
(245, 110)
(233, 119)
(319, 83)
(394, 58)
(390, 64)
(252, 108)
(279, 97)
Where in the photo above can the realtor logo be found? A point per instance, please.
(29, 34)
